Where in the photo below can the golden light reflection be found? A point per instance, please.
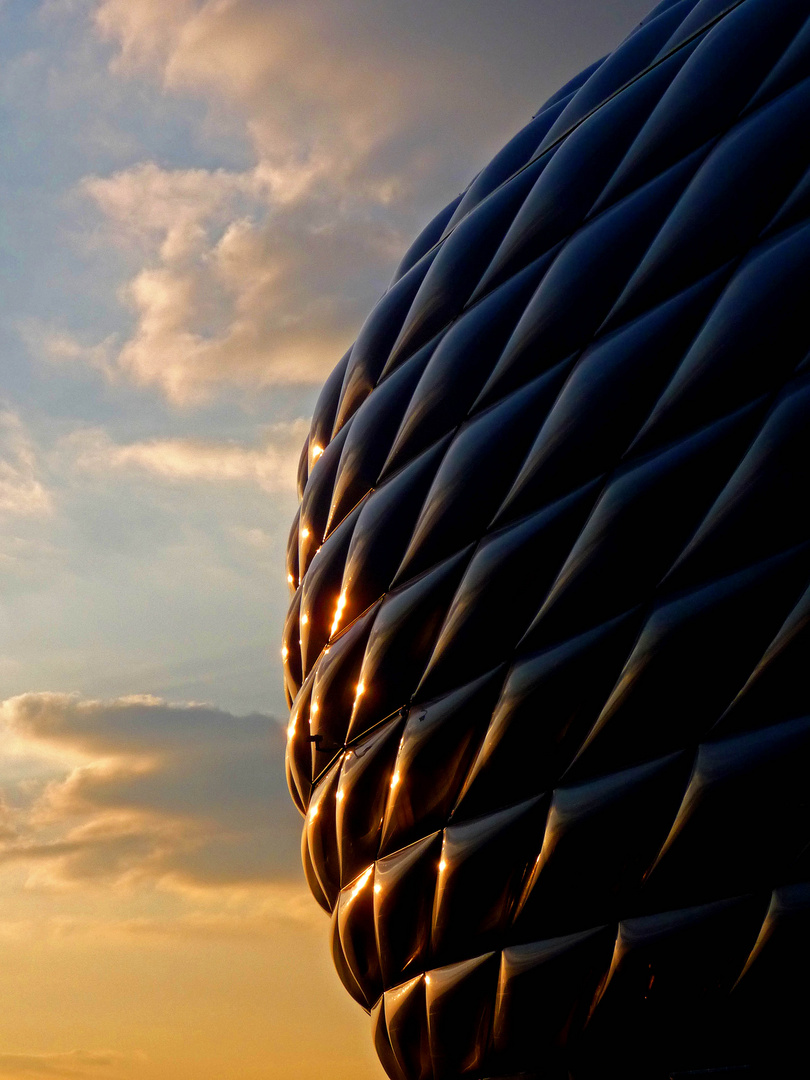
(305, 533)
(340, 796)
(313, 709)
(442, 865)
(395, 779)
(362, 881)
(341, 604)
(361, 689)
(316, 452)
(377, 887)
(291, 730)
(427, 980)
(290, 579)
(304, 620)
(285, 652)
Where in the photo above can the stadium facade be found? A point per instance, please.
(547, 650)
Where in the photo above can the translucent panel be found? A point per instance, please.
(758, 506)
(457, 370)
(491, 447)
(777, 688)
(401, 642)
(480, 874)
(438, 743)
(339, 959)
(299, 759)
(383, 530)
(321, 590)
(460, 1001)
(303, 470)
(323, 418)
(576, 172)
(548, 705)
(365, 781)
(791, 68)
(373, 428)
(601, 839)
(335, 676)
(633, 55)
(712, 87)
(581, 438)
(426, 239)
(730, 199)
(643, 519)
(759, 313)
(354, 917)
(404, 885)
(545, 990)
(316, 501)
(461, 261)
(310, 875)
(292, 555)
(382, 1043)
(291, 647)
(769, 999)
(734, 837)
(321, 836)
(517, 153)
(700, 646)
(488, 614)
(670, 976)
(794, 210)
(406, 1019)
(583, 282)
(377, 336)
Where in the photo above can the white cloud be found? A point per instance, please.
(361, 123)
(271, 464)
(22, 491)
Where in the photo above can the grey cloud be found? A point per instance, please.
(162, 792)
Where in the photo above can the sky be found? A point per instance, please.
(199, 202)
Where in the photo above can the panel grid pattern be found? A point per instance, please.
(546, 650)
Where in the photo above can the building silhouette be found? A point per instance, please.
(547, 649)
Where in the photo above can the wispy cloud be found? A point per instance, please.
(271, 464)
(360, 118)
(22, 491)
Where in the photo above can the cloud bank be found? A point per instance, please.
(146, 793)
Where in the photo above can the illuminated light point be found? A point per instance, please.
(395, 779)
(377, 888)
(442, 865)
(291, 731)
(362, 882)
(361, 689)
(341, 604)
(314, 708)
(427, 980)
(304, 620)
(316, 452)
(340, 796)
(305, 533)
(285, 652)
(290, 579)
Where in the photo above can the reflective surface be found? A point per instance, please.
(547, 647)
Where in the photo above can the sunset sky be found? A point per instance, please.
(200, 201)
